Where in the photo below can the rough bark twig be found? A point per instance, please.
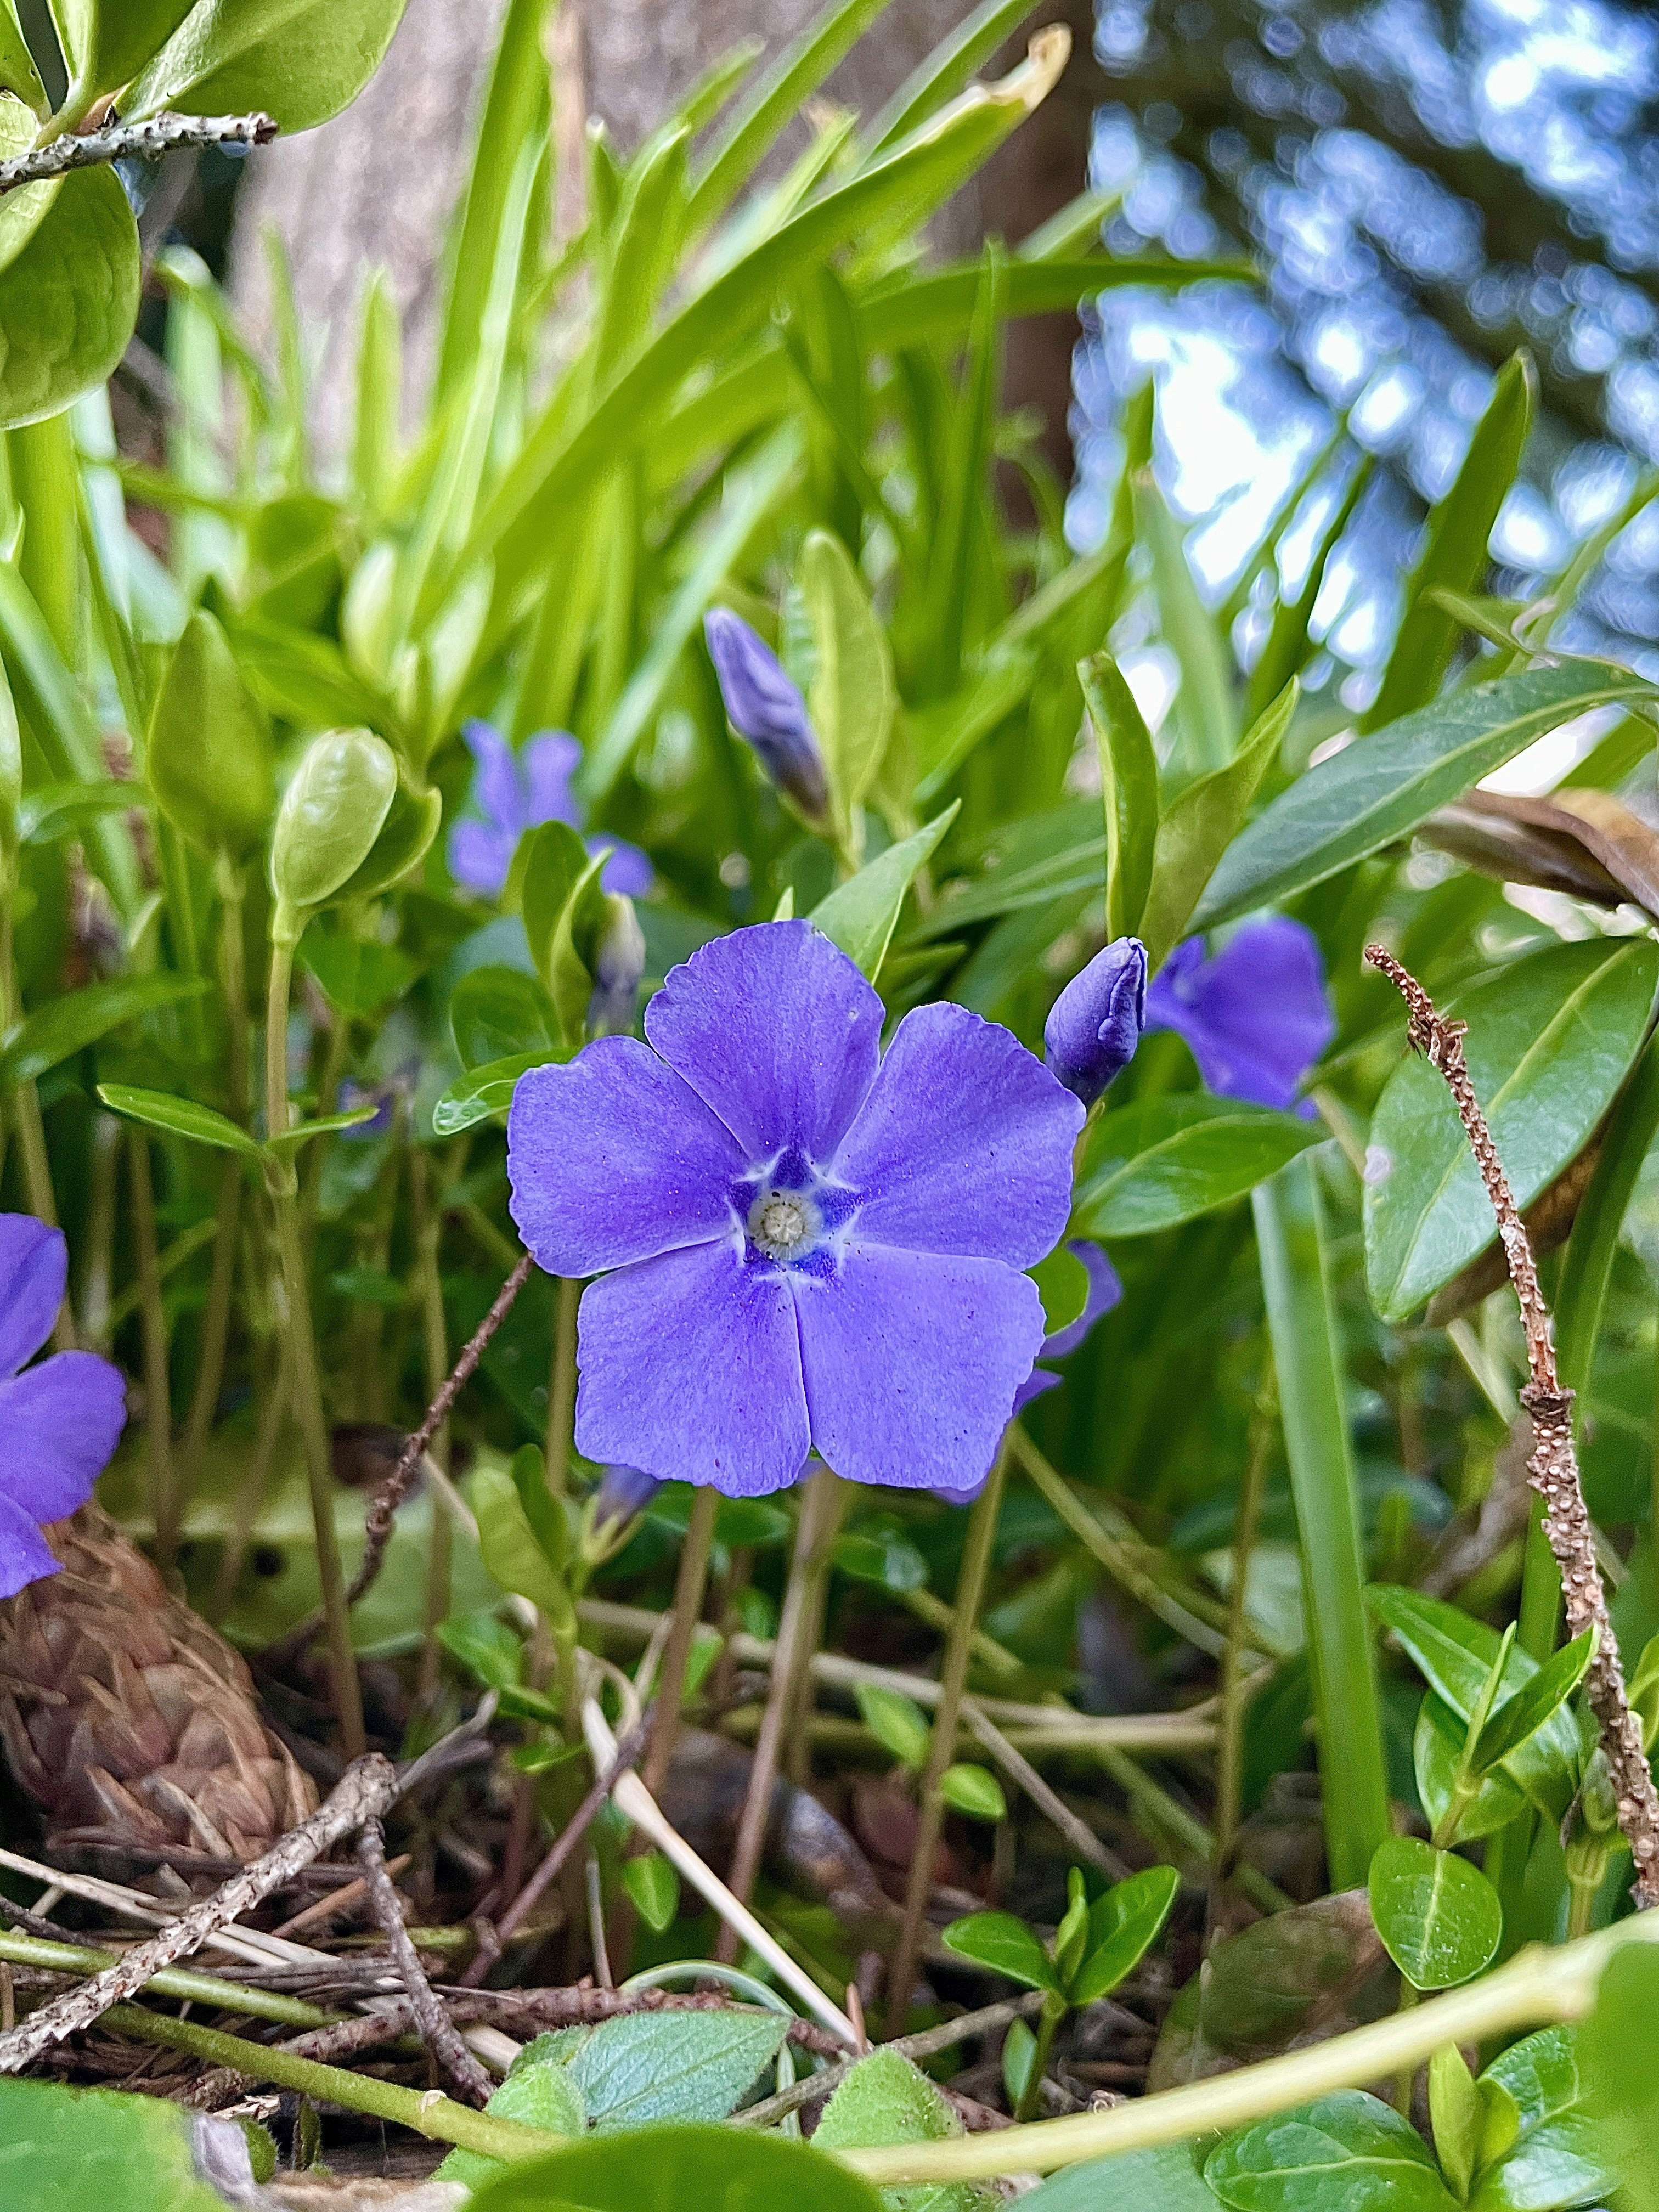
(121, 141)
(364, 1791)
(1553, 1466)
(438, 2032)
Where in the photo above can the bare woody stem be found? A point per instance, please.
(144, 142)
(438, 2032)
(1553, 1466)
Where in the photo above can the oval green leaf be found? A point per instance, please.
(177, 1117)
(69, 299)
(1007, 1946)
(300, 61)
(1439, 1918)
(486, 1094)
(671, 2168)
(1550, 1040)
(1166, 1160)
(1348, 2149)
(63, 1027)
(209, 759)
(972, 1791)
(1123, 1926)
(860, 916)
(896, 1722)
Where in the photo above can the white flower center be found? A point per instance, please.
(782, 1221)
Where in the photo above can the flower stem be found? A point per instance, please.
(302, 1342)
(562, 1386)
(26, 1115)
(1229, 1749)
(215, 1318)
(428, 1225)
(941, 1744)
(158, 1403)
(689, 1584)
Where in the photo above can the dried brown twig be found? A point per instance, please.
(121, 141)
(1553, 1465)
(438, 2032)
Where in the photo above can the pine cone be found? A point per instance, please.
(129, 1719)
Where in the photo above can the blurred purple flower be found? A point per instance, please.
(385, 1097)
(1095, 1023)
(516, 791)
(1255, 1017)
(624, 1492)
(618, 965)
(59, 1421)
(799, 1241)
(765, 707)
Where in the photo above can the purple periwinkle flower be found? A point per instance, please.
(622, 1492)
(763, 706)
(1094, 1024)
(59, 1421)
(1255, 1017)
(518, 791)
(799, 1240)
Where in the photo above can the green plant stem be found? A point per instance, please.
(251, 1492)
(1538, 1987)
(1054, 2011)
(1229, 1748)
(27, 1120)
(428, 1225)
(302, 1343)
(427, 2113)
(562, 1386)
(1307, 1358)
(19, 1950)
(158, 1402)
(942, 1742)
(215, 1318)
(691, 1583)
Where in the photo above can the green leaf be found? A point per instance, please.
(975, 1791)
(1378, 789)
(70, 2150)
(1124, 1925)
(654, 1887)
(1551, 1038)
(289, 1141)
(63, 1027)
(1062, 1282)
(1168, 1159)
(411, 823)
(1019, 2060)
(671, 2168)
(568, 971)
(1128, 783)
(486, 1093)
(1454, 555)
(854, 694)
(500, 1013)
(651, 2067)
(538, 2092)
(300, 61)
(1438, 1743)
(1522, 1715)
(1161, 2180)
(68, 297)
(208, 758)
(52, 811)
(1347, 2149)
(355, 974)
(880, 1556)
(17, 71)
(335, 803)
(508, 1545)
(1454, 2115)
(1561, 2154)
(179, 1117)
(549, 863)
(861, 915)
(486, 1647)
(106, 42)
(1007, 1946)
(1287, 650)
(1439, 1918)
(887, 2100)
(896, 1722)
(1201, 824)
(1621, 2082)
(1206, 716)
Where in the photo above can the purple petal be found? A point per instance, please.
(546, 768)
(1105, 1289)
(25, 1556)
(481, 857)
(613, 1158)
(33, 1270)
(59, 1422)
(1095, 1023)
(498, 791)
(690, 1372)
(627, 870)
(622, 1493)
(912, 1360)
(775, 1030)
(1255, 1017)
(964, 1144)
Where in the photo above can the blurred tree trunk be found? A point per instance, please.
(377, 185)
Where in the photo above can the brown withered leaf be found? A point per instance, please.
(1586, 843)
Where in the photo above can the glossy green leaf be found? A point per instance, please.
(568, 967)
(854, 695)
(68, 298)
(647, 2067)
(1560, 2154)
(1438, 1744)
(106, 42)
(1438, 1916)
(1124, 1925)
(17, 71)
(1347, 2149)
(55, 810)
(289, 1141)
(1378, 789)
(486, 1093)
(1454, 2116)
(63, 1027)
(501, 1013)
(1128, 780)
(73, 2150)
(1164, 1160)
(861, 915)
(670, 2168)
(1551, 1038)
(1201, 824)
(1167, 2179)
(1620, 2082)
(300, 61)
(177, 1117)
(337, 801)
(1073, 1933)
(1519, 1717)
(1287, 646)
(355, 974)
(209, 757)
(895, 1721)
(538, 2092)
(1205, 714)
(974, 1792)
(654, 1887)
(1454, 555)
(508, 1545)
(1007, 1946)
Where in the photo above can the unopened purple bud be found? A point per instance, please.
(618, 965)
(764, 707)
(624, 1493)
(1095, 1023)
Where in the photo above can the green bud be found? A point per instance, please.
(334, 809)
(210, 760)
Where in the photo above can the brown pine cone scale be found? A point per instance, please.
(127, 1718)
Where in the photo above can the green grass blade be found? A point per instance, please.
(943, 73)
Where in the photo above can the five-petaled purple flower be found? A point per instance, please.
(516, 791)
(1255, 1017)
(764, 705)
(799, 1242)
(59, 1421)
